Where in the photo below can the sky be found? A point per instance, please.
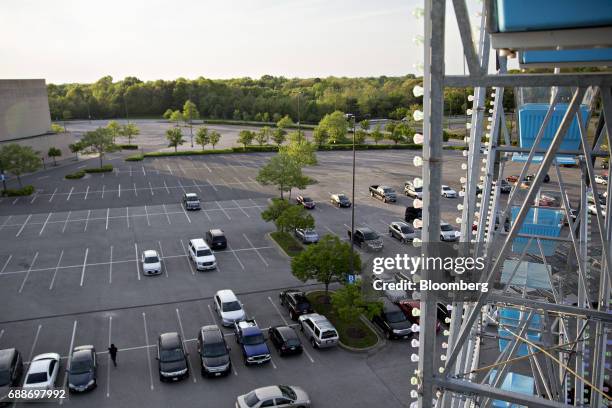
(80, 41)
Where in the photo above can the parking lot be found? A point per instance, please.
(70, 273)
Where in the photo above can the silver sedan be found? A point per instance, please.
(307, 236)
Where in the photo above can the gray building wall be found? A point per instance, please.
(24, 109)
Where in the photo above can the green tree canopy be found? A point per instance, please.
(279, 136)
(285, 122)
(245, 137)
(202, 136)
(55, 128)
(98, 141)
(284, 172)
(275, 209)
(17, 160)
(114, 129)
(364, 125)
(360, 136)
(294, 217)
(302, 151)
(335, 126)
(177, 117)
(263, 135)
(54, 153)
(130, 130)
(377, 135)
(350, 303)
(76, 148)
(326, 262)
(215, 137)
(319, 136)
(190, 111)
(167, 114)
(175, 138)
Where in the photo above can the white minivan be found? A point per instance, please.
(201, 254)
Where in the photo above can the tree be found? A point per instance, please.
(175, 138)
(302, 151)
(275, 209)
(263, 135)
(360, 136)
(349, 303)
(167, 114)
(215, 137)
(278, 136)
(245, 137)
(327, 261)
(284, 123)
(284, 172)
(130, 130)
(202, 137)
(66, 115)
(377, 135)
(55, 128)
(17, 160)
(294, 217)
(335, 126)
(54, 152)
(390, 126)
(76, 148)
(190, 112)
(98, 141)
(176, 117)
(114, 128)
(364, 125)
(319, 136)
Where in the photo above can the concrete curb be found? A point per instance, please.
(280, 248)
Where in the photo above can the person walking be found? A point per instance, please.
(112, 351)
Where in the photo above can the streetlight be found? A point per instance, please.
(350, 117)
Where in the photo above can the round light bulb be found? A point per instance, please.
(417, 182)
(471, 98)
(468, 125)
(417, 115)
(458, 220)
(417, 161)
(415, 343)
(464, 166)
(415, 328)
(469, 111)
(414, 358)
(418, 91)
(416, 203)
(417, 138)
(460, 207)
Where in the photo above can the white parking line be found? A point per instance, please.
(236, 256)
(287, 324)
(255, 249)
(144, 319)
(212, 185)
(119, 190)
(59, 261)
(110, 267)
(28, 272)
(136, 260)
(147, 215)
(185, 212)
(53, 195)
(207, 168)
(1, 333)
(15, 200)
(34, 198)
(162, 261)
(166, 212)
(108, 362)
(34, 343)
(166, 186)
(45, 224)
(144, 173)
(86, 193)
(222, 209)
(6, 263)
(5, 222)
(151, 188)
(84, 266)
(66, 222)
(187, 258)
(135, 191)
(69, 354)
(181, 185)
(87, 220)
(170, 170)
(241, 209)
(70, 194)
(103, 187)
(107, 213)
(127, 217)
(178, 316)
(23, 226)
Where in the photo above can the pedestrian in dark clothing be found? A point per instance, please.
(112, 351)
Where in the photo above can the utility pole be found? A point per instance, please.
(350, 117)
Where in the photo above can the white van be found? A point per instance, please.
(201, 255)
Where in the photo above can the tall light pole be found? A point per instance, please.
(299, 93)
(351, 117)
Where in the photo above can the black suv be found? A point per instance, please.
(213, 351)
(215, 238)
(11, 370)
(171, 357)
(296, 302)
(393, 321)
(285, 339)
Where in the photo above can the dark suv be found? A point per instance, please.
(11, 370)
(296, 302)
(215, 238)
(213, 351)
(171, 357)
(393, 321)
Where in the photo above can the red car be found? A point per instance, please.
(512, 179)
(408, 306)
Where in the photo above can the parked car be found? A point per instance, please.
(531, 177)
(547, 201)
(447, 232)
(448, 192)
(601, 198)
(402, 231)
(42, 372)
(411, 191)
(384, 193)
(201, 255)
(213, 351)
(605, 164)
(288, 396)
(504, 187)
(252, 342)
(191, 201)
(151, 263)
(307, 235)
(412, 308)
(306, 202)
(228, 307)
(512, 178)
(11, 371)
(392, 321)
(82, 369)
(601, 179)
(296, 303)
(412, 214)
(340, 200)
(593, 209)
(285, 339)
(171, 357)
(367, 239)
(215, 238)
(318, 330)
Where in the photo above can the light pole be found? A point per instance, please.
(350, 117)
(299, 126)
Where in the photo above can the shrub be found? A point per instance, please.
(287, 242)
(455, 147)
(135, 157)
(76, 175)
(104, 169)
(128, 146)
(18, 192)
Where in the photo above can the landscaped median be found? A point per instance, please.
(18, 192)
(107, 168)
(354, 333)
(287, 242)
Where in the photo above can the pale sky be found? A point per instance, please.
(83, 40)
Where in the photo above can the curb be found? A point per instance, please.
(280, 248)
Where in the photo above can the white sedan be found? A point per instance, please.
(593, 209)
(448, 192)
(601, 179)
(42, 372)
(151, 264)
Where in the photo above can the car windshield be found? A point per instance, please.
(446, 227)
(171, 355)
(406, 229)
(307, 199)
(293, 342)
(446, 188)
(151, 259)
(214, 350)
(192, 199)
(4, 378)
(251, 399)
(370, 235)
(310, 233)
(327, 334)
(395, 317)
(388, 190)
(231, 306)
(342, 198)
(204, 252)
(287, 392)
(253, 339)
(80, 367)
(36, 378)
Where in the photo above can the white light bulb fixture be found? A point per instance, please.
(463, 180)
(415, 343)
(418, 91)
(416, 312)
(416, 203)
(417, 161)
(446, 333)
(415, 328)
(466, 139)
(461, 193)
(468, 125)
(458, 220)
(414, 394)
(442, 357)
(493, 94)
(414, 381)
(417, 138)
(444, 345)
(469, 111)
(441, 371)
(414, 358)
(464, 166)
(465, 153)
(417, 115)
(416, 242)
(417, 182)
(459, 207)
(489, 119)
